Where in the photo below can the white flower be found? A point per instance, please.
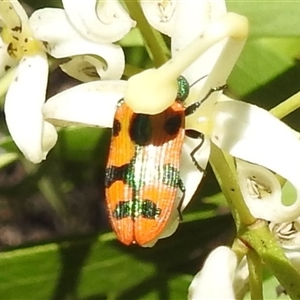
(103, 21)
(277, 156)
(243, 130)
(26, 42)
(220, 278)
(19, 46)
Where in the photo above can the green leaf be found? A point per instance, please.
(269, 18)
(8, 144)
(41, 4)
(132, 39)
(259, 64)
(91, 267)
(84, 143)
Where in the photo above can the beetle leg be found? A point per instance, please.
(196, 135)
(182, 188)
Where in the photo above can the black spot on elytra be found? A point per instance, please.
(171, 175)
(149, 209)
(145, 208)
(122, 210)
(113, 173)
(173, 124)
(140, 129)
(116, 127)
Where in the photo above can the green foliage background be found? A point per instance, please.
(75, 255)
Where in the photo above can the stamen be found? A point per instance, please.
(20, 44)
(257, 189)
(285, 231)
(166, 11)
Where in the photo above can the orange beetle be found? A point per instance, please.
(142, 172)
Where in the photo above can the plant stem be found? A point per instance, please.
(255, 275)
(230, 187)
(259, 238)
(286, 107)
(240, 249)
(152, 38)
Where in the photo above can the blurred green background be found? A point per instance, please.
(55, 238)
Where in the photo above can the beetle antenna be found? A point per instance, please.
(194, 106)
(195, 82)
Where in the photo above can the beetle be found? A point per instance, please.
(142, 172)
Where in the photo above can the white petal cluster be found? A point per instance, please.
(26, 43)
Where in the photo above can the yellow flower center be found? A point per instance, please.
(20, 44)
(16, 33)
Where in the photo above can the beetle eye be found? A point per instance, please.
(183, 89)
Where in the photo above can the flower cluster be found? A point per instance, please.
(205, 43)
(26, 43)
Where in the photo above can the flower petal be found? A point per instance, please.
(63, 41)
(241, 278)
(192, 17)
(221, 57)
(49, 138)
(12, 14)
(92, 104)
(253, 134)
(191, 174)
(160, 14)
(215, 280)
(109, 64)
(102, 22)
(23, 108)
(51, 25)
(20, 11)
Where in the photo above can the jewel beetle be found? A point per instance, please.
(142, 173)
